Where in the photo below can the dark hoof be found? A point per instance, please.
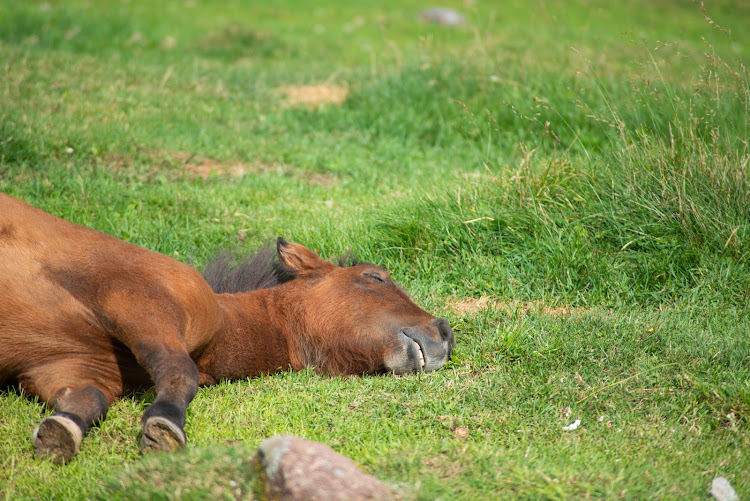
(161, 434)
(58, 438)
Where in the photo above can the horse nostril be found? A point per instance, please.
(446, 333)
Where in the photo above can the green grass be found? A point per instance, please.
(565, 182)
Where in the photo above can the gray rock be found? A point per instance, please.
(443, 16)
(295, 469)
(722, 490)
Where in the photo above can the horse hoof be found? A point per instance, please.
(161, 434)
(58, 438)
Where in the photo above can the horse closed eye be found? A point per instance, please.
(376, 277)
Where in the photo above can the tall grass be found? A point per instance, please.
(661, 210)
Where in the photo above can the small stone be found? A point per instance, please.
(295, 469)
(443, 16)
(722, 490)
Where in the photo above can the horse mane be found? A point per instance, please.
(226, 272)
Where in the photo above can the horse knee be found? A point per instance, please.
(89, 403)
(173, 372)
(176, 382)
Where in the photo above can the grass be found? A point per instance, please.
(566, 183)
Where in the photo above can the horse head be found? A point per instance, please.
(356, 319)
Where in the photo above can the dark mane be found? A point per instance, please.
(225, 273)
(348, 260)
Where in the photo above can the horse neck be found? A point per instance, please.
(252, 339)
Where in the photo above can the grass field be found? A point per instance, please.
(566, 182)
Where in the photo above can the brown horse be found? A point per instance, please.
(85, 316)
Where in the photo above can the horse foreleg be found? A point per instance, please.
(176, 379)
(77, 399)
(59, 435)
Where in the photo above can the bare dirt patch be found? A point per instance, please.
(313, 96)
(205, 167)
(469, 305)
(184, 164)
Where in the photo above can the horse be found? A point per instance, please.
(85, 316)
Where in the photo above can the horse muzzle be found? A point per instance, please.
(422, 349)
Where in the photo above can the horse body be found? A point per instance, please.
(84, 315)
(75, 300)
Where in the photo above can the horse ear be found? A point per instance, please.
(298, 259)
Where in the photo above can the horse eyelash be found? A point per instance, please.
(377, 277)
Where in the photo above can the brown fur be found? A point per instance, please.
(84, 316)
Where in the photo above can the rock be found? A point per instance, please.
(722, 490)
(443, 16)
(294, 469)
